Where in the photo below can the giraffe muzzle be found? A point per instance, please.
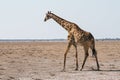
(44, 19)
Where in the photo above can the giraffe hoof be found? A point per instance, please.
(81, 69)
(63, 70)
(98, 69)
(95, 69)
(76, 69)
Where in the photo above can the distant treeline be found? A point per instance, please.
(109, 39)
(47, 40)
(31, 40)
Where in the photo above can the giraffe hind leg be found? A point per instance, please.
(95, 54)
(85, 58)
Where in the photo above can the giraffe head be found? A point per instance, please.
(47, 16)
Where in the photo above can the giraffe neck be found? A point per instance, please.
(64, 23)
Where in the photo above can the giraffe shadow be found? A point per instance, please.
(104, 70)
(110, 70)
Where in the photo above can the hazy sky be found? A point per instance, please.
(23, 19)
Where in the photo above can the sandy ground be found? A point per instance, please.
(44, 61)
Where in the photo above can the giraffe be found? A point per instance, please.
(76, 36)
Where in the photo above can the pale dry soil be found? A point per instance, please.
(44, 61)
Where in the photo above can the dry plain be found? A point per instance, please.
(44, 61)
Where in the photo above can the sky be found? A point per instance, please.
(24, 19)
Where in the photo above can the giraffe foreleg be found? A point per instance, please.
(68, 47)
(76, 55)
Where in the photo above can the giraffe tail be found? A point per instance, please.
(94, 52)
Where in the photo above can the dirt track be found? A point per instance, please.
(44, 61)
